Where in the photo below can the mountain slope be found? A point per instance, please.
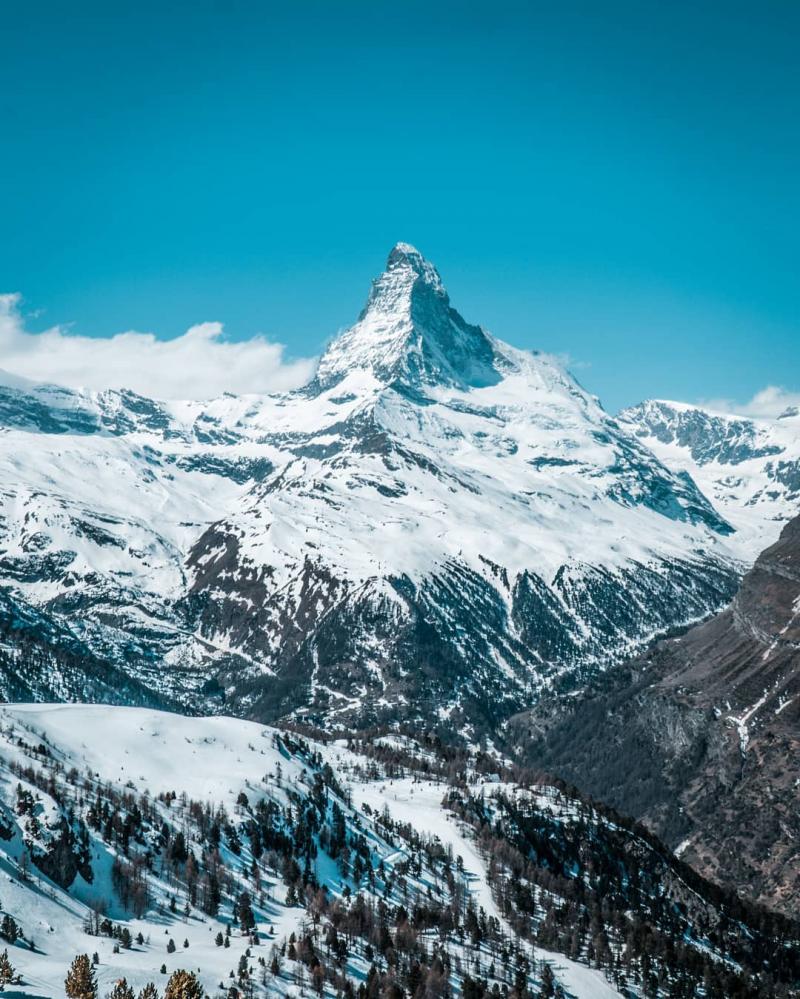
(437, 527)
(700, 737)
(748, 467)
(268, 864)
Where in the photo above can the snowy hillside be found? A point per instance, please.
(436, 527)
(211, 761)
(749, 468)
(158, 842)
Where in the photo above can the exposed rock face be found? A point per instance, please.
(701, 737)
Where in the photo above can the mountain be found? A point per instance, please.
(452, 510)
(748, 467)
(102, 496)
(271, 865)
(436, 528)
(700, 737)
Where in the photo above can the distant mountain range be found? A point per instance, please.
(438, 528)
(748, 468)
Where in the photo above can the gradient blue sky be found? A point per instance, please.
(613, 181)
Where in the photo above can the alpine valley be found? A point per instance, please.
(436, 529)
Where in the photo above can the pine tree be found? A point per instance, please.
(171, 946)
(149, 992)
(547, 988)
(81, 982)
(7, 972)
(211, 895)
(177, 851)
(122, 990)
(183, 985)
(9, 929)
(242, 971)
(245, 912)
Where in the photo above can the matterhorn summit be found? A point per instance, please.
(409, 334)
(438, 527)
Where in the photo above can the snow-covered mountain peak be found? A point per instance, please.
(407, 258)
(409, 334)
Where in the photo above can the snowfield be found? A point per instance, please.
(749, 467)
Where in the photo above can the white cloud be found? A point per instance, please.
(770, 402)
(199, 364)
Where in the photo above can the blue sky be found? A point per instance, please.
(614, 182)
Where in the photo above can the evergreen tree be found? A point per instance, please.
(244, 911)
(7, 972)
(122, 990)
(9, 929)
(149, 992)
(183, 985)
(547, 987)
(211, 895)
(177, 851)
(242, 971)
(81, 982)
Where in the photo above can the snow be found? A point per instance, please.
(746, 490)
(531, 450)
(210, 759)
(424, 446)
(420, 804)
